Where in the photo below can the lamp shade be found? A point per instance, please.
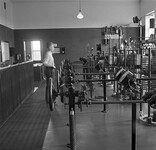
(80, 15)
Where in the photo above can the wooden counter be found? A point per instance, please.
(16, 83)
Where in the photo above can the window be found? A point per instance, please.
(148, 30)
(36, 50)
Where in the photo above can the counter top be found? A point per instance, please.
(9, 66)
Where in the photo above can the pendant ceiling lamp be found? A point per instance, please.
(80, 15)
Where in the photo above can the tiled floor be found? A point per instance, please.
(96, 130)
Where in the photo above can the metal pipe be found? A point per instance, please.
(96, 80)
(140, 75)
(103, 67)
(145, 79)
(106, 73)
(149, 75)
(72, 130)
(113, 102)
(125, 55)
(114, 88)
(133, 129)
(72, 117)
(104, 92)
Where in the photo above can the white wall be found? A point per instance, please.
(6, 15)
(62, 13)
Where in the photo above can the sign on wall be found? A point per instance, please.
(59, 50)
(5, 51)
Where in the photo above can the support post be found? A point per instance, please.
(133, 142)
(71, 93)
(149, 82)
(104, 92)
(72, 130)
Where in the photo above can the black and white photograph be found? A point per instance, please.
(77, 75)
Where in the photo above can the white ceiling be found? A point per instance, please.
(62, 13)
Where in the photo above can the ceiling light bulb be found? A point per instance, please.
(80, 15)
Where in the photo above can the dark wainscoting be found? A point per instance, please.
(16, 83)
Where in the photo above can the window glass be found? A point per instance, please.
(36, 50)
(36, 55)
